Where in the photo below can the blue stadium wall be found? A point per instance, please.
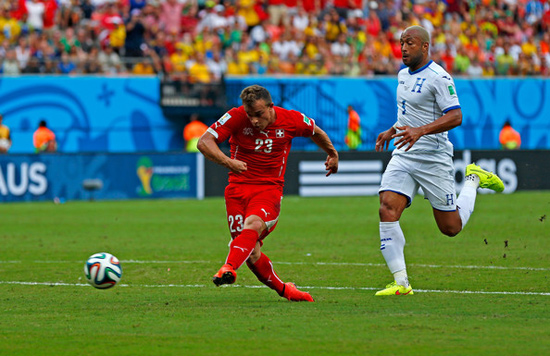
(88, 114)
(122, 115)
(486, 105)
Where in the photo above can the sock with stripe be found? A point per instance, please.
(241, 247)
(263, 269)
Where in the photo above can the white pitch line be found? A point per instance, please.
(310, 263)
(257, 286)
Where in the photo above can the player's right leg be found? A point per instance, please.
(396, 192)
(392, 242)
(243, 237)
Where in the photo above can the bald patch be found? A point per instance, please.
(418, 32)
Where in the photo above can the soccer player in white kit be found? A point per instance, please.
(428, 107)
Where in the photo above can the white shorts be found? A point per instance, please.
(434, 173)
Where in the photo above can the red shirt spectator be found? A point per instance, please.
(449, 61)
(313, 6)
(372, 24)
(110, 19)
(49, 13)
(18, 10)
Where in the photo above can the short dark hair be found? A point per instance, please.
(253, 93)
(42, 123)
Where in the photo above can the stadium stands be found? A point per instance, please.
(200, 42)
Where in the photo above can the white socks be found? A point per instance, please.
(467, 198)
(392, 244)
(392, 240)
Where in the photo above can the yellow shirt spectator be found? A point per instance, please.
(382, 46)
(529, 48)
(250, 56)
(10, 26)
(178, 60)
(118, 36)
(143, 68)
(247, 11)
(199, 73)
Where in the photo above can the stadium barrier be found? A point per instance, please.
(360, 172)
(62, 177)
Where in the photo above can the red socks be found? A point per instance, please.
(241, 247)
(263, 269)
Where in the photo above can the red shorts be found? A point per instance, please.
(243, 200)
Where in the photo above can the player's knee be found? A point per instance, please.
(388, 213)
(255, 225)
(450, 230)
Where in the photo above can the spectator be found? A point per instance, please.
(10, 28)
(278, 12)
(509, 138)
(353, 136)
(66, 65)
(10, 65)
(462, 61)
(35, 19)
(287, 44)
(170, 12)
(475, 70)
(217, 66)
(213, 18)
(341, 48)
(44, 139)
(23, 52)
(192, 132)
(109, 60)
(505, 63)
(5, 136)
(135, 31)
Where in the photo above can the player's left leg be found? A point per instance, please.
(452, 222)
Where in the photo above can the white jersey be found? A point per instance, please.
(423, 96)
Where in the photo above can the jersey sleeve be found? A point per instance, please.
(305, 125)
(226, 125)
(445, 93)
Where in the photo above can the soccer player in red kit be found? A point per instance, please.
(260, 136)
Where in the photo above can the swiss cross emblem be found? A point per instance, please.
(280, 133)
(248, 131)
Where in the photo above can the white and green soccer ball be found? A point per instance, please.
(103, 270)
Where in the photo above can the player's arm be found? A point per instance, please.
(409, 135)
(208, 146)
(322, 140)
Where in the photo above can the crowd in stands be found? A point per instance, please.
(198, 41)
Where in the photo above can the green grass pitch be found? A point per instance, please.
(484, 292)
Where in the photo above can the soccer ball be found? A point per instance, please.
(103, 270)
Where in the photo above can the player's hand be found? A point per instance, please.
(237, 166)
(331, 165)
(407, 136)
(383, 140)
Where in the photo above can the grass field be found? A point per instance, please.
(484, 292)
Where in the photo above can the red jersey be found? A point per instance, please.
(265, 152)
